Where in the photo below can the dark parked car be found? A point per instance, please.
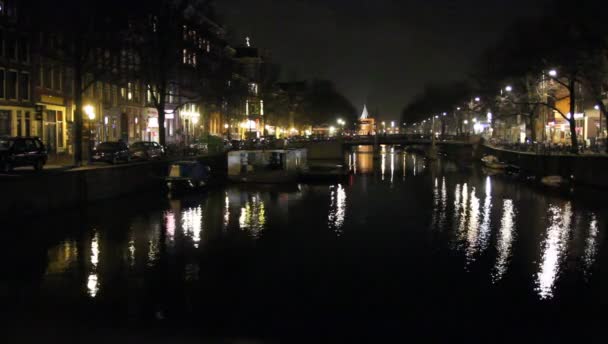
(146, 150)
(21, 151)
(111, 152)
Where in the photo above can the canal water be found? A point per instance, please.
(405, 247)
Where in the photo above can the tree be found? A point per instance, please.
(89, 44)
(174, 40)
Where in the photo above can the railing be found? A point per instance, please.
(546, 148)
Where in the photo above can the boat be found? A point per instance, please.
(553, 181)
(268, 166)
(324, 172)
(187, 175)
(490, 161)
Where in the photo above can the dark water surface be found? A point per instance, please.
(405, 248)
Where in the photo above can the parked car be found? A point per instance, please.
(111, 152)
(22, 151)
(236, 144)
(146, 150)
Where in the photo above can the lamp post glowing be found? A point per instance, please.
(553, 73)
(508, 88)
(89, 110)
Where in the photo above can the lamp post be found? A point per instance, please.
(89, 110)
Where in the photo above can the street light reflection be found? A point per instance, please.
(192, 224)
(591, 245)
(92, 280)
(505, 240)
(554, 249)
(253, 216)
(337, 209)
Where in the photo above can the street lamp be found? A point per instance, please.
(477, 99)
(89, 110)
(508, 88)
(553, 72)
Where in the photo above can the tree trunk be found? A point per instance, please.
(161, 114)
(571, 120)
(605, 113)
(78, 125)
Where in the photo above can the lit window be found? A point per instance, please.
(130, 91)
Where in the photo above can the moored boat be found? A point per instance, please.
(187, 175)
(490, 161)
(273, 166)
(554, 181)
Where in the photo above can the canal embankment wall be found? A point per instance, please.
(589, 170)
(42, 193)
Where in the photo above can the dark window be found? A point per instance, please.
(46, 76)
(30, 145)
(57, 78)
(1, 43)
(24, 50)
(5, 122)
(11, 84)
(28, 125)
(11, 48)
(19, 145)
(2, 83)
(24, 86)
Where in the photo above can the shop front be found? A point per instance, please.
(151, 126)
(51, 124)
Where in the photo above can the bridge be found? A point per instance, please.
(334, 148)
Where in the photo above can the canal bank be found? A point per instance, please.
(35, 194)
(588, 170)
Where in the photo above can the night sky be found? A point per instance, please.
(381, 52)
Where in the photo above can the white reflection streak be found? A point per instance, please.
(591, 244)
(355, 163)
(337, 209)
(392, 166)
(444, 200)
(484, 230)
(462, 210)
(383, 166)
(415, 165)
(554, 248)
(505, 239)
(192, 223)
(404, 165)
(226, 211)
(170, 225)
(92, 280)
(132, 252)
(473, 230)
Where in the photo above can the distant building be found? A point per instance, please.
(367, 124)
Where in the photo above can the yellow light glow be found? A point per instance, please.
(89, 110)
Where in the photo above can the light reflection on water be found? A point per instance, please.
(253, 215)
(337, 211)
(591, 245)
(554, 248)
(92, 280)
(477, 218)
(504, 243)
(192, 224)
